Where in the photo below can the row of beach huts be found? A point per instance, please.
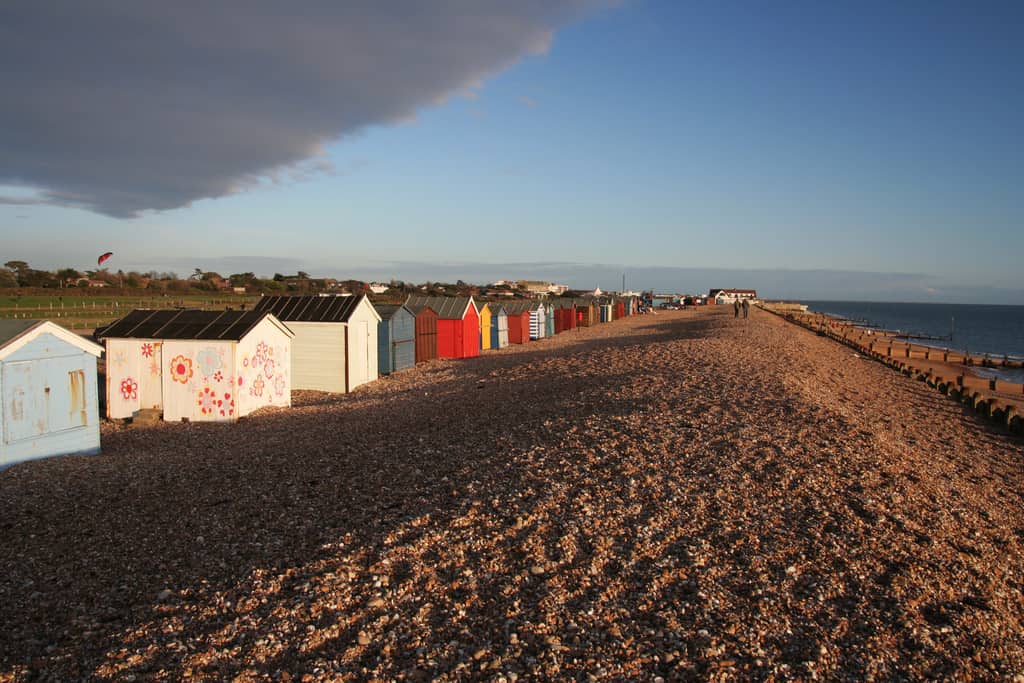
(199, 365)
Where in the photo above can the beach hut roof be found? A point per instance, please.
(387, 311)
(447, 307)
(14, 334)
(311, 309)
(188, 324)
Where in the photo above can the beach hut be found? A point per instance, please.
(518, 316)
(200, 366)
(484, 311)
(48, 385)
(566, 316)
(458, 324)
(620, 309)
(335, 344)
(426, 332)
(549, 320)
(538, 320)
(586, 312)
(396, 338)
(499, 326)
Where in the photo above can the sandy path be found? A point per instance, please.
(684, 496)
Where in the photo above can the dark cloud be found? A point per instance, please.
(120, 107)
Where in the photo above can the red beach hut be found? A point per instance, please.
(518, 322)
(458, 324)
(426, 333)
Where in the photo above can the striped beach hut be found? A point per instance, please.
(198, 366)
(499, 326)
(538, 320)
(396, 338)
(458, 324)
(484, 311)
(517, 313)
(335, 344)
(50, 398)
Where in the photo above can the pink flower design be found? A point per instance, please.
(227, 405)
(147, 350)
(241, 380)
(279, 384)
(129, 389)
(261, 351)
(218, 376)
(257, 386)
(268, 368)
(207, 401)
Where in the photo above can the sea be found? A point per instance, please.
(977, 328)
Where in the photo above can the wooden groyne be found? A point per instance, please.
(947, 370)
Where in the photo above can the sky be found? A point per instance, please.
(846, 150)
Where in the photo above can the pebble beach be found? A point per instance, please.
(677, 496)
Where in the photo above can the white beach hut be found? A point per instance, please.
(335, 344)
(48, 385)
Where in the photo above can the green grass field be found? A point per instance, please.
(88, 312)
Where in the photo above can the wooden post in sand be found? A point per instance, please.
(992, 384)
(927, 353)
(907, 350)
(945, 356)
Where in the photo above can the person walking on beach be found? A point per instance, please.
(735, 308)
(746, 307)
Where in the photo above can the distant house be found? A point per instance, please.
(378, 288)
(728, 296)
(200, 366)
(48, 385)
(335, 344)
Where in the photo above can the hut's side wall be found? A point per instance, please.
(362, 345)
(263, 363)
(133, 371)
(50, 403)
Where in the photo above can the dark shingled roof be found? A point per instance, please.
(387, 311)
(183, 324)
(448, 307)
(11, 329)
(310, 309)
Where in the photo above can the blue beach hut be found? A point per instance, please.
(48, 384)
(396, 338)
(499, 326)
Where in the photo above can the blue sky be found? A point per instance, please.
(855, 150)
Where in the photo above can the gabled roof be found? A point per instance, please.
(387, 311)
(14, 334)
(311, 309)
(187, 324)
(447, 307)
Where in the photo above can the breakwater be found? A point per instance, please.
(956, 374)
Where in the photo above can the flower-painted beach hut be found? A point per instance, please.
(396, 338)
(335, 344)
(518, 316)
(48, 385)
(458, 324)
(484, 311)
(200, 366)
(499, 326)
